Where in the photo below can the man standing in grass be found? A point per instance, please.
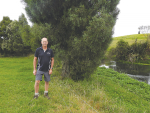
(45, 64)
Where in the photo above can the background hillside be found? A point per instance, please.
(130, 48)
(128, 38)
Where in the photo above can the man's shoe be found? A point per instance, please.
(35, 96)
(46, 95)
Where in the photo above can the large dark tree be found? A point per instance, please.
(81, 30)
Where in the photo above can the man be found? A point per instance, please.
(45, 64)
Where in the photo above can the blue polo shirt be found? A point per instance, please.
(44, 58)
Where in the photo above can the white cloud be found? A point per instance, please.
(13, 9)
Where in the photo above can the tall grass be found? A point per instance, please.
(105, 92)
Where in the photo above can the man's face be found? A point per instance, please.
(44, 42)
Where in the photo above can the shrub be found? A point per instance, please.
(139, 49)
(122, 50)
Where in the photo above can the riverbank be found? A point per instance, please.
(107, 91)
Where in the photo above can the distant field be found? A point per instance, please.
(128, 38)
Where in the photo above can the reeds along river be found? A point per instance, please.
(138, 72)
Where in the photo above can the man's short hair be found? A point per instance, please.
(42, 39)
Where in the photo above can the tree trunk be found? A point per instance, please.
(65, 69)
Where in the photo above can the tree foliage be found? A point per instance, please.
(140, 50)
(39, 31)
(145, 30)
(18, 37)
(122, 50)
(132, 53)
(80, 30)
(3, 35)
(3, 24)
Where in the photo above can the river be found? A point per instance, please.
(138, 72)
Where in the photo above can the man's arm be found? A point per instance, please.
(52, 64)
(34, 65)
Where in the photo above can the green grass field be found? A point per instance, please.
(128, 38)
(106, 91)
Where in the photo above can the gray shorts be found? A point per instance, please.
(39, 75)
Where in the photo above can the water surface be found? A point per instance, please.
(138, 72)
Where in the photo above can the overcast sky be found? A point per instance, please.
(13, 9)
(133, 13)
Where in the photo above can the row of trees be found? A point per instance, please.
(145, 30)
(15, 36)
(132, 53)
(79, 31)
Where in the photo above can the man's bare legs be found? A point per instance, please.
(46, 90)
(36, 86)
(46, 85)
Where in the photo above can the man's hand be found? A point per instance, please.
(50, 71)
(34, 72)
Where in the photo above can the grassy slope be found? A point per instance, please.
(105, 92)
(128, 38)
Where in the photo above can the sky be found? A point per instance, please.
(133, 13)
(12, 9)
